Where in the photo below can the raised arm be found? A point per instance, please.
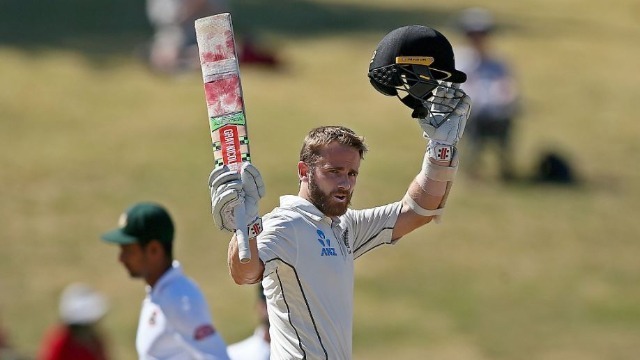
(443, 126)
(244, 273)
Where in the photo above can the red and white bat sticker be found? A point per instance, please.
(223, 96)
(230, 143)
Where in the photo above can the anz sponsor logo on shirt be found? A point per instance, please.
(327, 250)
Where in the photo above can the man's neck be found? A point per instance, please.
(153, 277)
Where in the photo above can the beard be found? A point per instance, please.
(325, 202)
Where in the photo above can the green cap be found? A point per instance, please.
(141, 223)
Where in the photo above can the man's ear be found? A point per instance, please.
(154, 248)
(303, 171)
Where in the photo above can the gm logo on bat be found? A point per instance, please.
(327, 250)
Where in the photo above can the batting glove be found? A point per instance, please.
(448, 113)
(230, 189)
(225, 188)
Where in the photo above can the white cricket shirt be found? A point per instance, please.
(308, 276)
(175, 323)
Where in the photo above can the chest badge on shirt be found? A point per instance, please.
(152, 318)
(327, 250)
(345, 240)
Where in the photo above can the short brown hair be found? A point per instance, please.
(322, 136)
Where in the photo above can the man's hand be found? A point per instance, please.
(229, 190)
(448, 113)
(225, 188)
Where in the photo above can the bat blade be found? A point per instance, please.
(225, 104)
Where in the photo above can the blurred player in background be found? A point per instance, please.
(77, 336)
(175, 322)
(174, 46)
(305, 254)
(255, 347)
(494, 91)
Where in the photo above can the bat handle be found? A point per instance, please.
(242, 235)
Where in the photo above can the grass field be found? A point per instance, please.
(516, 271)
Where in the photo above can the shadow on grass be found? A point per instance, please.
(104, 28)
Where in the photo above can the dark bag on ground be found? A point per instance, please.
(555, 168)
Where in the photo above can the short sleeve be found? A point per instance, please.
(372, 227)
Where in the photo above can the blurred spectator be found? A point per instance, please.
(174, 47)
(493, 91)
(77, 336)
(257, 346)
(251, 52)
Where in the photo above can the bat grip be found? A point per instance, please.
(242, 235)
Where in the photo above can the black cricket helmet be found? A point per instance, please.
(413, 59)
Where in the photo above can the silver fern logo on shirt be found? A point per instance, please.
(345, 240)
(327, 250)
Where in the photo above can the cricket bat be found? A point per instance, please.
(225, 104)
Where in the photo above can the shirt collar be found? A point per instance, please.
(304, 207)
(174, 272)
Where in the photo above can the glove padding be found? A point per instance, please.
(448, 113)
(225, 188)
(254, 189)
(230, 189)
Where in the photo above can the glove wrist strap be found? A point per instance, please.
(438, 172)
(440, 152)
(254, 228)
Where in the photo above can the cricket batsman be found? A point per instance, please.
(305, 254)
